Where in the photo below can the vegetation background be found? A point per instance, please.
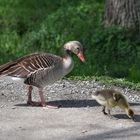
(44, 26)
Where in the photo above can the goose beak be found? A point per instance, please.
(81, 56)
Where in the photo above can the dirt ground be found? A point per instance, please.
(79, 118)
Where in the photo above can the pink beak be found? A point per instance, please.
(81, 56)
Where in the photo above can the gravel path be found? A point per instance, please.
(79, 118)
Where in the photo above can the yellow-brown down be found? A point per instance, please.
(110, 98)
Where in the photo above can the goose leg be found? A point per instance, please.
(103, 110)
(108, 111)
(110, 116)
(43, 103)
(29, 101)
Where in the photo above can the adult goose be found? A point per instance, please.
(41, 69)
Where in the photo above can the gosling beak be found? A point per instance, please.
(81, 56)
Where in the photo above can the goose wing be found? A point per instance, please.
(25, 66)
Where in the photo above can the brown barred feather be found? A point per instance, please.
(29, 64)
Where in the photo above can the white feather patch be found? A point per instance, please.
(67, 62)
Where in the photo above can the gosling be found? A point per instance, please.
(110, 98)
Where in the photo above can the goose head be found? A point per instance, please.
(76, 48)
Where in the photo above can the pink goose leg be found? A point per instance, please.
(43, 103)
(29, 101)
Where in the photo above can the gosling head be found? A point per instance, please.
(76, 48)
(130, 114)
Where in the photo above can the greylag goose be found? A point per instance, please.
(41, 69)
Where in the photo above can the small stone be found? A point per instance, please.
(1, 106)
(84, 131)
(63, 85)
(13, 107)
(82, 92)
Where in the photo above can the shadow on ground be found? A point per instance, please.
(124, 116)
(134, 104)
(69, 103)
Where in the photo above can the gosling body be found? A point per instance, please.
(110, 98)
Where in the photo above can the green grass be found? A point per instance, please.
(44, 26)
